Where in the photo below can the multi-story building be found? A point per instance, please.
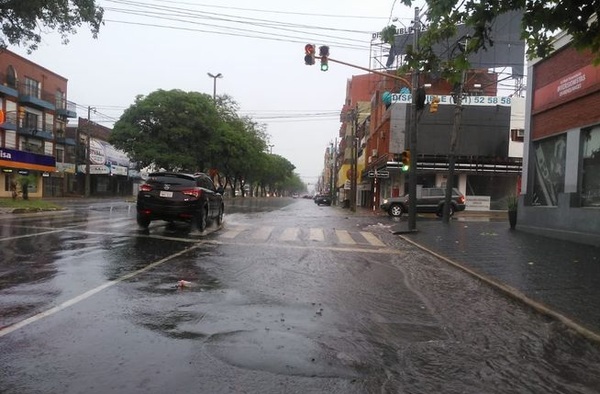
(561, 173)
(376, 116)
(33, 144)
(102, 170)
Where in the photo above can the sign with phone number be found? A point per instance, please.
(449, 100)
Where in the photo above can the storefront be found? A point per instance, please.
(20, 168)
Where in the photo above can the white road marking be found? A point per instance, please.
(289, 234)
(371, 238)
(316, 234)
(263, 233)
(7, 330)
(344, 237)
(30, 235)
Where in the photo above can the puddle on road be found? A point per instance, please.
(282, 353)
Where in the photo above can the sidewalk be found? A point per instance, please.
(558, 278)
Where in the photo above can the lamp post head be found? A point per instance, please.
(219, 75)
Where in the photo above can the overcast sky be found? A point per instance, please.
(257, 46)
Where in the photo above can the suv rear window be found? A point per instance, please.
(172, 179)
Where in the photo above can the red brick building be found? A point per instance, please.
(561, 177)
(35, 109)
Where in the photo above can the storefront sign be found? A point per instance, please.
(26, 160)
(118, 170)
(488, 101)
(566, 87)
(477, 203)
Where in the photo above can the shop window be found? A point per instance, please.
(549, 180)
(590, 170)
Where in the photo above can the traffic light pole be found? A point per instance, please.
(396, 77)
(412, 141)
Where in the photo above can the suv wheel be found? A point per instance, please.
(220, 216)
(440, 212)
(396, 210)
(142, 221)
(200, 221)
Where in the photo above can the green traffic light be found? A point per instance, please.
(324, 67)
(405, 168)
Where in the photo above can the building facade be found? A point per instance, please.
(560, 194)
(34, 150)
(489, 149)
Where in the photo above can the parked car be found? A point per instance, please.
(322, 199)
(431, 201)
(174, 196)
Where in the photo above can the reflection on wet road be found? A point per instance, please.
(285, 297)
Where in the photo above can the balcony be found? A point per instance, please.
(66, 108)
(30, 97)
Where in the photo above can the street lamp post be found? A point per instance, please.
(214, 77)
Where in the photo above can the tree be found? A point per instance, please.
(174, 130)
(541, 21)
(22, 20)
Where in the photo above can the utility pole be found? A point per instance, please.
(412, 140)
(353, 166)
(87, 154)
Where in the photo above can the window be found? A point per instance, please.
(60, 154)
(590, 170)
(32, 145)
(549, 180)
(517, 134)
(61, 102)
(11, 77)
(32, 88)
(30, 121)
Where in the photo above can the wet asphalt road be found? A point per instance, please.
(286, 297)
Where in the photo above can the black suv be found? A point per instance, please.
(431, 201)
(173, 196)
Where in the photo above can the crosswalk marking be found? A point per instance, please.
(344, 237)
(232, 233)
(316, 234)
(262, 233)
(372, 239)
(289, 234)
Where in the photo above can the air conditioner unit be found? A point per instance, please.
(374, 153)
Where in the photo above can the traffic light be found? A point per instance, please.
(435, 102)
(324, 54)
(309, 57)
(405, 158)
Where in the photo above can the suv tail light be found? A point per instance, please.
(194, 192)
(145, 188)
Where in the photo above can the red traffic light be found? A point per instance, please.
(309, 50)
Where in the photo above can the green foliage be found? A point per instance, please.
(22, 20)
(174, 130)
(542, 20)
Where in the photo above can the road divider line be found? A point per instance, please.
(49, 312)
(31, 235)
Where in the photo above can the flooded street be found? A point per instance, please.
(285, 297)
